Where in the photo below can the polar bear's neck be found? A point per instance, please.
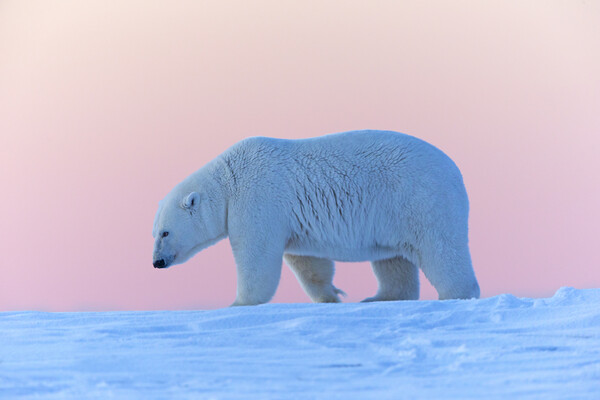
(211, 177)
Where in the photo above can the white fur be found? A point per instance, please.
(383, 197)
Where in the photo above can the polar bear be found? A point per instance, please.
(378, 196)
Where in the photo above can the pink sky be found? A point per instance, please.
(105, 106)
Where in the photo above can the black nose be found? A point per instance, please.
(159, 263)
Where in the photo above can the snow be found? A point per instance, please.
(500, 347)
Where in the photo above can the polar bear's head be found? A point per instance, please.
(185, 223)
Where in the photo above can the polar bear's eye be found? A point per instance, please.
(165, 234)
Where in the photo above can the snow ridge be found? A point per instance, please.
(499, 347)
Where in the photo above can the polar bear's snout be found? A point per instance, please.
(163, 255)
(160, 260)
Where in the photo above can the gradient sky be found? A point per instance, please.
(105, 106)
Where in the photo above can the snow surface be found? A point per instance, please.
(500, 347)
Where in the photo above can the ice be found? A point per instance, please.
(500, 347)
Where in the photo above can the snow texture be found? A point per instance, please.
(495, 348)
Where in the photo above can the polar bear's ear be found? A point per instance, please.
(191, 201)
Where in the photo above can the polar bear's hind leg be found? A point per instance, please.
(316, 277)
(450, 272)
(398, 279)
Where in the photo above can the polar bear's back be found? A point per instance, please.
(367, 149)
(380, 160)
(356, 192)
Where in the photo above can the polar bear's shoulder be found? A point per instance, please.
(257, 145)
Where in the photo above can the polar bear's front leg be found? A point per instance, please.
(316, 276)
(258, 273)
(398, 279)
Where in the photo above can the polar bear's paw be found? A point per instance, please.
(381, 298)
(326, 295)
